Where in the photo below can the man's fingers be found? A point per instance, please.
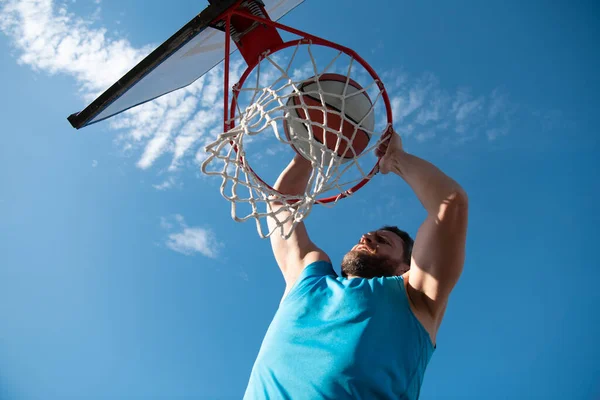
(381, 149)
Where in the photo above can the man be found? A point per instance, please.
(370, 333)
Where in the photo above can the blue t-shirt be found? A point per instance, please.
(338, 338)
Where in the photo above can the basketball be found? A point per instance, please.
(348, 115)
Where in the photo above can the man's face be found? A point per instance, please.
(377, 254)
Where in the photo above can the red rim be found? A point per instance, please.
(306, 39)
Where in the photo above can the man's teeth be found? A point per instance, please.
(368, 248)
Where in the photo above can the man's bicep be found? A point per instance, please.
(295, 253)
(438, 255)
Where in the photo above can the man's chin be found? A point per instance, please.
(365, 264)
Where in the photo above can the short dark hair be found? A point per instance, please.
(406, 239)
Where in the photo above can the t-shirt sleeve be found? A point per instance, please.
(311, 274)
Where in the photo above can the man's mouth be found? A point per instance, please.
(365, 247)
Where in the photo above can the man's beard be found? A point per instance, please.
(367, 265)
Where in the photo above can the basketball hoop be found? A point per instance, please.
(323, 114)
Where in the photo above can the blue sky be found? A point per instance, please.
(122, 275)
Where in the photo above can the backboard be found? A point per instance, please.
(183, 58)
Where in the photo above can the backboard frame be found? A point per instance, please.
(208, 18)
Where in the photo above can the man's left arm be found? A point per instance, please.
(439, 249)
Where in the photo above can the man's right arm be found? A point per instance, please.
(298, 251)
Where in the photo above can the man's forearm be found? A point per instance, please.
(430, 184)
(295, 176)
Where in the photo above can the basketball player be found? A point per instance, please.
(370, 333)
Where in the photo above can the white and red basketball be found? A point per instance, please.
(339, 94)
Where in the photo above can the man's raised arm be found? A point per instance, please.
(298, 251)
(439, 249)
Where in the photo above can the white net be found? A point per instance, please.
(321, 103)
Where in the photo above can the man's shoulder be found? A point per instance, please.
(313, 270)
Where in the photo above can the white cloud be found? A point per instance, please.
(498, 102)
(412, 99)
(463, 107)
(97, 13)
(50, 39)
(190, 240)
(495, 133)
(211, 96)
(204, 121)
(423, 136)
(166, 184)
(300, 73)
(403, 106)
(425, 111)
(193, 240)
(178, 113)
(94, 163)
(394, 79)
(500, 114)
(165, 224)
(434, 109)
(405, 130)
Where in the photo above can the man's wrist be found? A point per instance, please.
(299, 158)
(301, 162)
(399, 162)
